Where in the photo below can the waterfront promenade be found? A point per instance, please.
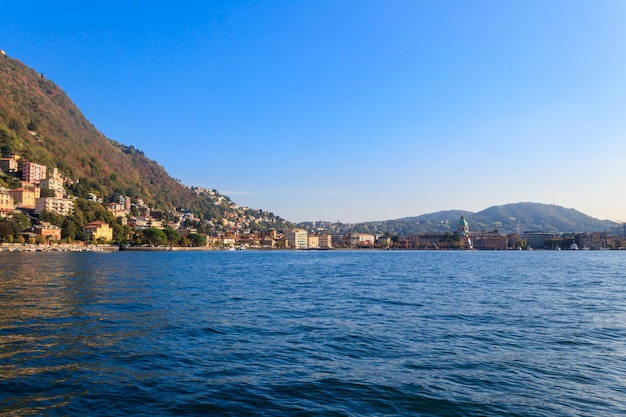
(74, 247)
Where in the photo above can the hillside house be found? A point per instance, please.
(98, 230)
(47, 231)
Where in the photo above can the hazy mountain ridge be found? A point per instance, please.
(507, 218)
(40, 123)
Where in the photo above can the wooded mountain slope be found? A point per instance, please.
(41, 124)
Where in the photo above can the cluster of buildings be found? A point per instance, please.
(28, 196)
(463, 238)
(493, 240)
(234, 229)
(94, 232)
(42, 190)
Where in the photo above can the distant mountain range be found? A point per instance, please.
(508, 218)
(41, 124)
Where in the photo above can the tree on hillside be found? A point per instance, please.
(121, 232)
(52, 218)
(172, 236)
(46, 192)
(6, 231)
(196, 240)
(154, 237)
(9, 228)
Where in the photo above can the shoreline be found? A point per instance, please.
(27, 247)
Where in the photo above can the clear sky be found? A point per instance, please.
(351, 110)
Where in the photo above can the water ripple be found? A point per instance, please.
(361, 333)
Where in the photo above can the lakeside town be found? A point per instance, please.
(41, 199)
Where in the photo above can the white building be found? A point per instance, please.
(297, 238)
(54, 183)
(361, 239)
(62, 206)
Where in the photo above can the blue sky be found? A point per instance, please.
(351, 110)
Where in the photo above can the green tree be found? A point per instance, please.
(154, 236)
(172, 236)
(72, 229)
(6, 230)
(52, 217)
(121, 232)
(46, 192)
(566, 242)
(196, 240)
(19, 222)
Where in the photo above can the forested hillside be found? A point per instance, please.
(39, 122)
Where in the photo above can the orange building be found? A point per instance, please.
(48, 231)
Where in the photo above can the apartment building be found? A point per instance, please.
(62, 206)
(33, 173)
(7, 204)
(595, 240)
(54, 183)
(536, 240)
(488, 240)
(8, 164)
(23, 197)
(137, 223)
(325, 241)
(361, 239)
(118, 209)
(297, 238)
(269, 233)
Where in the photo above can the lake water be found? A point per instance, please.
(305, 333)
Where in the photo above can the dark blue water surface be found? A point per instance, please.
(298, 333)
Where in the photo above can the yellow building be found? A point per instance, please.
(23, 197)
(6, 201)
(98, 230)
(269, 233)
(325, 241)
